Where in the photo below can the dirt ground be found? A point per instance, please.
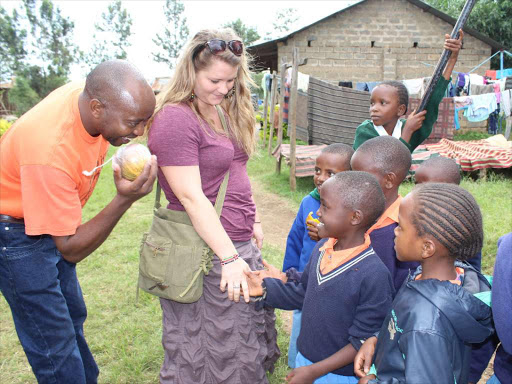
(270, 207)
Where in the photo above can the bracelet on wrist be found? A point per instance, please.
(229, 259)
(257, 222)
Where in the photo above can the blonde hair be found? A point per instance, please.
(238, 107)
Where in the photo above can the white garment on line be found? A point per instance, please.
(397, 131)
(413, 86)
(476, 79)
(505, 105)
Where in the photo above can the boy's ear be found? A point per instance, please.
(357, 217)
(401, 110)
(428, 249)
(390, 180)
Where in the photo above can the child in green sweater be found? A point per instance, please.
(389, 101)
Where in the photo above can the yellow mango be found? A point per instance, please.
(310, 217)
(132, 158)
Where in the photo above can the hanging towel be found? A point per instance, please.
(362, 86)
(475, 89)
(505, 102)
(413, 86)
(491, 74)
(461, 80)
(505, 73)
(476, 79)
(482, 107)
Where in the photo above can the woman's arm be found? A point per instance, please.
(185, 182)
(257, 229)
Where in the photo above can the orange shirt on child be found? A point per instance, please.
(333, 259)
(389, 216)
(43, 155)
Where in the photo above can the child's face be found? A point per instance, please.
(326, 165)
(384, 106)
(334, 216)
(363, 162)
(407, 242)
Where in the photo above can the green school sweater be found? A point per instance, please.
(366, 130)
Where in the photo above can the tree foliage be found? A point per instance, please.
(12, 44)
(490, 17)
(246, 33)
(284, 21)
(112, 35)
(22, 96)
(174, 35)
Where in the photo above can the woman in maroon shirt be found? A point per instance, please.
(215, 339)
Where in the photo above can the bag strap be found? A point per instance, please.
(219, 202)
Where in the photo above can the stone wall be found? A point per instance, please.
(379, 40)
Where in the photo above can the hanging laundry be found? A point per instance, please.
(492, 127)
(413, 86)
(476, 89)
(505, 102)
(505, 73)
(461, 104)
(482, 107)
(508, 83)
(461, 80)
(362, 86)
(476, 79)
(490, 74)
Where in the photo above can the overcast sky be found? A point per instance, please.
(148, 20)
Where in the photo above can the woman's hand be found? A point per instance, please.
(364, 357)
(257, 234)
(234, 278)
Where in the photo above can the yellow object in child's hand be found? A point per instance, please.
(311, 218)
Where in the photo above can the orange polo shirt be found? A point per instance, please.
(43, 155)
(333, 259)
(390, 216)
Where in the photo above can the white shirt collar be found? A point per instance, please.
(397, 131)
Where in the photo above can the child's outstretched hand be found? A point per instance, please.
(366, 379)
(454, 45)
(313, 230)
(301, 375)
(413, 123)
(364, 357)
(254, 281)
(272, 272)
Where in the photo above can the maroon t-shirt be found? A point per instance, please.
(178, 139)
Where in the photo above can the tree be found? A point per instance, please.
(12, 44)
(490, 17)
(284, 20)
(112, 35)
(174, 36)
(22, 96)
(246, 33)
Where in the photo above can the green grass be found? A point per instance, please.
(125, 335)
(494, 196)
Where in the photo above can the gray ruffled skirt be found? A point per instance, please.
(216, 340)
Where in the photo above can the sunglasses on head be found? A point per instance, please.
(217, 46)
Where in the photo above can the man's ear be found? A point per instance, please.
(401, 110)
(428, 249)
(97, 108)
(357, 217)
(390, 180)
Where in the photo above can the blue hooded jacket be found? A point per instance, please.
(427, 336)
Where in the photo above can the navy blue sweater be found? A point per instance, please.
(501, 301)
(383, 242)
(347, 305)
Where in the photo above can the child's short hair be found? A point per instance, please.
(401, 89)
(451, 215)
(343, 150)
(361, 191)
(388, 155)
(442, 169)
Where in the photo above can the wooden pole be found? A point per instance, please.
(292, 117)
(273, 97)
(281, 112)
(265, 115)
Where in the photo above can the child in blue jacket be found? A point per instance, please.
(345, 289)
(303, 235)
(437, 314)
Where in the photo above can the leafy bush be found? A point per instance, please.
(4, 126)
(22, 96)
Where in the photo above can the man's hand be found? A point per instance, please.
(301, 375)
(364, 357)
(131, 191)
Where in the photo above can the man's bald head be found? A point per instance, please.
(113, 81)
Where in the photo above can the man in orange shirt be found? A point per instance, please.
(43, 188)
